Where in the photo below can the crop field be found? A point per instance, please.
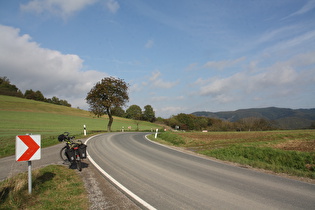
(21, 116)
(290, 152)
(302, 140)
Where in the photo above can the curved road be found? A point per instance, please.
(169, 179)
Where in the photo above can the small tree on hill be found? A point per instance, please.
(110, 92)
(148, 113)
(134, 112)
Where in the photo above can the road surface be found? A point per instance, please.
(168, 179)
(9, 166)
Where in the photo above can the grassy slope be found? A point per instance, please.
(53, 187)
(20, 116)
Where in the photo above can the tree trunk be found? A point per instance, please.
(110, 122)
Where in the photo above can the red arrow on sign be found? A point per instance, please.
(32, 148)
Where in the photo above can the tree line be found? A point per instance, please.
(136, 113)
(191, 122)
(6, 88)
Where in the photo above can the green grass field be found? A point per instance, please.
(291, 152)
(21, 116)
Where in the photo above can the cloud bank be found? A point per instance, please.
(29, 66)
(65, 8)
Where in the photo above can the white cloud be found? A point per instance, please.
(29, 66)
(169, 110)
(310, 5)
(135, 88)
(223, 64)
(281, 79)
(159, 98)
(63, 8)
(149, 44)
(222, 85)
(223, 98)
(191, 67)
(112, 6)
(301, 41)
(157, 82)
(278, 33)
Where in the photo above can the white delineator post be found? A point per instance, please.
(84, 131)
(156, 132)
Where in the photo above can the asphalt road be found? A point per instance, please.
(168, 179)
(9, 166)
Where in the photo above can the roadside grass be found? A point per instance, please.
(21, 116)
(171, 138)
(290, 152)
(277, 160)
(53, 187)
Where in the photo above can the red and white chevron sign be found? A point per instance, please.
(27, 147)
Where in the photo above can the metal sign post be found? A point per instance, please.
(27, 148)
(29, 177)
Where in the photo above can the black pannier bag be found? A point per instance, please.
(82, 151)
(70, 154)
(61, 137)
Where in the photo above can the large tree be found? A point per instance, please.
(110, 92)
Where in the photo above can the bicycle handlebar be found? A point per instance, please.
(65, 137)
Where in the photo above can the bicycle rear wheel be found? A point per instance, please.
(63, 155)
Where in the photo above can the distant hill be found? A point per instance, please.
(282, 118)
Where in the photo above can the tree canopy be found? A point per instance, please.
(134, 112)
(148, 113)
(107, 94)
(6, 88)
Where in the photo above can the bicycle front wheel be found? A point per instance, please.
(63, 155)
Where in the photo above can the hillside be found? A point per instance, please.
(282, 118)
(20, 116)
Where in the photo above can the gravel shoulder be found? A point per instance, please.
(102, 194)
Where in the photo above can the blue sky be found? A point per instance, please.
(178, 56)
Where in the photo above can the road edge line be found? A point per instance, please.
(118, 184)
